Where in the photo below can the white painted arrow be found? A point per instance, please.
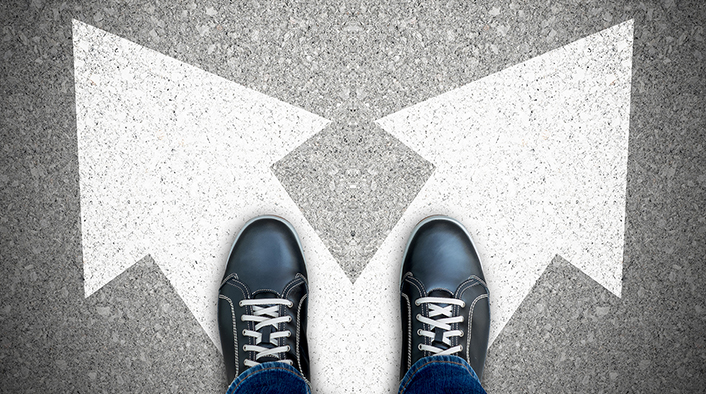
(172, 161)
(533, 161)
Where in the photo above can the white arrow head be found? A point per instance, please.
(173, 161)
(533, 161)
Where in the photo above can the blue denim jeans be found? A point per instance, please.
(441, 375)
(270, 378)
(430, 375)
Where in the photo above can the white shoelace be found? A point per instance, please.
(266, 313)
(443, 323)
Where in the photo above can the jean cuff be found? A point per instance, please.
(286, 375)
(454, 364)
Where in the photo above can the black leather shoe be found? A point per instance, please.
(262, 301)
(444, 298)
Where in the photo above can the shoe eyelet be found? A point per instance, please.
(461, 347)
(288, 348)
(418, 316)
(289, 334)
(244, 348)
(419, 346)
(463, 305)
(290, 319)
(240, 303)
(461, 334)
(419, 332)
(416, 302)
(291, 304)
(243, 332)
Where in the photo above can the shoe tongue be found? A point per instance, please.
(440, 293)
(263, 294)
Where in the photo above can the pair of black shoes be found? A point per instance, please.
(262, 302)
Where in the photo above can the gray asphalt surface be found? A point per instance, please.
(373, 58)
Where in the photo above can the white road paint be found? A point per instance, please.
(173, 161)
(533, 161)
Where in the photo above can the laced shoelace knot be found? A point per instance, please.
(266, 315)
(443, 324)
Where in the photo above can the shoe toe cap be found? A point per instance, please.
(441, 255)
(266, 255)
